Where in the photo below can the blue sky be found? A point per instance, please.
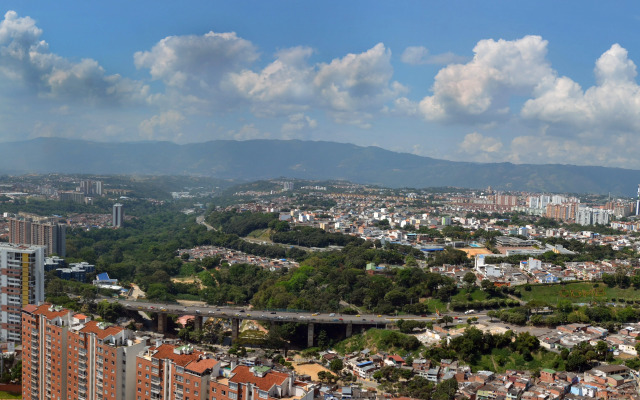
(542, 82)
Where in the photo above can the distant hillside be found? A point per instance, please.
(263, 159)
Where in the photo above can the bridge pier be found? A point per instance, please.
(197, 323)
(349, 329)
(235, 329)
(310, 334)
(162, 322)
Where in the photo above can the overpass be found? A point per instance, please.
(236, 314)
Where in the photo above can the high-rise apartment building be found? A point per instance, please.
(562, 212)
(40, 232)
(592, 216)
(76, 197)
(259, 382)
(21, 283)
(90, 187)
(174, 372)
(118, 215)
(67, 356)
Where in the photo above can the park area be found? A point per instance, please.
(579, 292)
(310, 369)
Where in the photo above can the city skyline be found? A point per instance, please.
(526, 83)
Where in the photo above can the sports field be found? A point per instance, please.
(579, 292)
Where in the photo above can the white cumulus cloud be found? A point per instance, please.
(196, 61)
(165, 126)
(482, 87)
(480, 147)
(612, 104)
(25, 58)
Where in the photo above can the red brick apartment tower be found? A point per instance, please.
(44, 346)
(71, 357)
(256, 383)
(168, 372)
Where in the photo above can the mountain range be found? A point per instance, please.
(263, 159)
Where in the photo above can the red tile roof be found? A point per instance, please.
(201, 366)
(165, 351)
(30, 308)
(43, 309)
(93, 327)
(243, 374)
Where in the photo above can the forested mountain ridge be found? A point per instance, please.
(263, 159)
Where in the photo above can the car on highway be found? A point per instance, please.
(314, 314)
(151, 307)
(272, 312)
(379, 315)
(332, 315)
(358, 315)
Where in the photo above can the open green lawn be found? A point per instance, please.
(436, 304)
(578, 292)
(501, 360)
(262, 234)
(377, 340)
(7, 395)
(476, 294)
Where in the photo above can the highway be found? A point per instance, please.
(284, 316)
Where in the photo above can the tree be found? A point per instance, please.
(446, 390)
(89, 296)
(469, 279)
(410, 261)
(577, 362)
(487, 286)
(336, 365)
(447, 319)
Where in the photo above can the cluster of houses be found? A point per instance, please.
(568, 336)
(602, 382)
(236, 257)
(532, 270)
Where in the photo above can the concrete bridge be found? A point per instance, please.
(236, 314)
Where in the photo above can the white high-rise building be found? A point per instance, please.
(21, 283)
(118, 215)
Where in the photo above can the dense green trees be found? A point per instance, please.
(313, 237)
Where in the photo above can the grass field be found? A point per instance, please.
(7, 395)
(578, 292)
(501, 360)
(375, 340)
(476, 294)
(436, 304)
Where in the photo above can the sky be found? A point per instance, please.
(500, 81)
